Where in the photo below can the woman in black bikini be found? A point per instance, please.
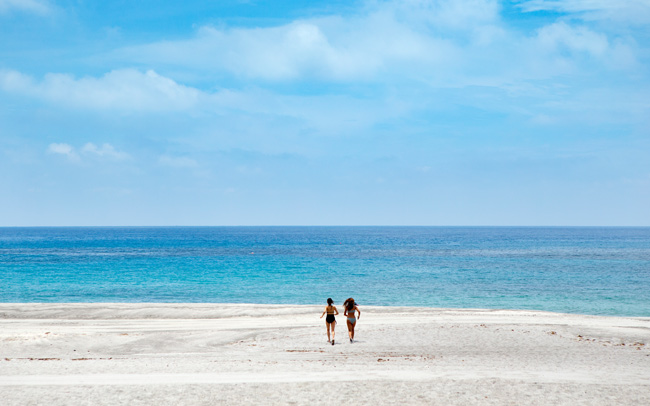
(350, 309)
(330, 321)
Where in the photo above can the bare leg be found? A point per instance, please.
(327, 327)
(350, 330)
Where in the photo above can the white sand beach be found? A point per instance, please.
(207, 354)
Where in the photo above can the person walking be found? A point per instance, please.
(330, 320)
(350, 312)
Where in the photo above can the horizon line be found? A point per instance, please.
(325, 225)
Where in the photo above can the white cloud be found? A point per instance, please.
(459, 14)
(561, 48)
(66, 150)
(634, 11)
(33, 6)
(595, 107)
(404, 49)
(13, 81)
(177, 162)
(560, 37)
(327, 48)
(106, 150)
(89, 150)
(439, 42)
(122, 90)
(312, 111)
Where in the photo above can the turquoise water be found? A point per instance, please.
(577, 270)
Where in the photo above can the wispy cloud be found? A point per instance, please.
(101, 94)
(325, 49)
(560, 38)
(121, 90)
(66, 150)
(441, 43)
(88, 151)
(178, 161)
(106, 150)
(406, 50)
(634, 11)
(386, 37)
(32, 6)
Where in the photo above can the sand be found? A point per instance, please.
(210, 354)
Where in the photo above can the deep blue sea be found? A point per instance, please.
(591, 270)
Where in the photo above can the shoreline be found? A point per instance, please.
(197, 305)
(148, 353)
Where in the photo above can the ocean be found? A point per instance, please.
(585, 270)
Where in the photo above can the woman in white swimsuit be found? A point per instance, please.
(330, 321)
(350, 309)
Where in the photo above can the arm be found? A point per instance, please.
(321, 316)
(358, 311)
(336, 310)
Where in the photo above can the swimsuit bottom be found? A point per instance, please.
(330, 318)
(352, 320)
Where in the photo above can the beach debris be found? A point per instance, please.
(89, 359)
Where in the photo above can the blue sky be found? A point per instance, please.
(409, 112)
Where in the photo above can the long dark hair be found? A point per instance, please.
(349, 304)
(330, 301)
